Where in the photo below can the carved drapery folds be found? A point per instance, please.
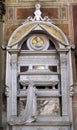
(30, 113)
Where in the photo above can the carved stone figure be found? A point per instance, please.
(38, 43)
(30, 112)
(37, 13)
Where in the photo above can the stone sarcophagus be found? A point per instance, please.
(38, 76)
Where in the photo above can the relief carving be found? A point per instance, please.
(49, 107)
(71, 91)
(7, 91)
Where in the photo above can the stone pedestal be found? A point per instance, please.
(43, 126)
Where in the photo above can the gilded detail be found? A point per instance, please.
(21, 33)
(53, 31)
(25, 29)
(35, 39)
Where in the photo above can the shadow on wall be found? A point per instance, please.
(4, 113)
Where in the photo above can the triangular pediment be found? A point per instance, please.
(39, 24)
(38, 27)
(24, 30)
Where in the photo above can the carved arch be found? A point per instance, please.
(21, 32)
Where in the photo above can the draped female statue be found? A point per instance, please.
(30, 111)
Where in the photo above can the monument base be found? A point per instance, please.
(42, 126)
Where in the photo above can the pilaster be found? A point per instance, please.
(14, 84)
(64, 83)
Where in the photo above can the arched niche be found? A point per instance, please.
(43, 27)
(46, 61)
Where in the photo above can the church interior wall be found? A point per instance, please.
(62, 12)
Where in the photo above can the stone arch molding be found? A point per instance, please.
(37, 23)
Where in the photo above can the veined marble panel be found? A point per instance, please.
(45, 106)
(49, 107)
